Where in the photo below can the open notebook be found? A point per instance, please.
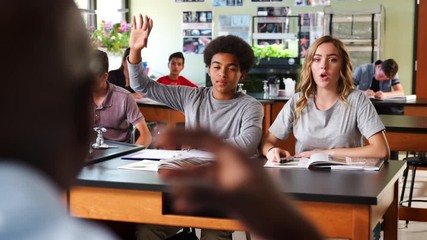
(324, 161)
(153, 159)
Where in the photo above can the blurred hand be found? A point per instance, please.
(380, 95)
(369, 93)
(223, 185)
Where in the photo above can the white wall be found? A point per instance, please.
(166, 36)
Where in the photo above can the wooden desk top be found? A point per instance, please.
(358, 187)
(404, 123)
(420, 102)
(395, 103)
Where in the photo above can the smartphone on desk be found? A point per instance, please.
(284, 160)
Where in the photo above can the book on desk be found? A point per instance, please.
(156, 159)
(412, 97)
(325, 161)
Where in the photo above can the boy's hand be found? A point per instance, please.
(140, 32)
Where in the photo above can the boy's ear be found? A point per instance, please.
(105, 76)
(243, 75)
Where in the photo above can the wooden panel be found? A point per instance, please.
(391, 215)
(153, 113)
(412, 142)
(415, 111)
(413, 214)
(135, 206)
(421, 74)
(288, 144)
(266, 121)
(338, 220)
(334, 220)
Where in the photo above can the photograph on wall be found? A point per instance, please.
(238, 25)
(311, 29)
(274, 11)
(227, 3)
(312, 2)
(273, 22)
(196, 31)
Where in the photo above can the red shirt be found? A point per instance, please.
(180, 81)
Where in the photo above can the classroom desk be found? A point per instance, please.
(406, 133)
(116, 149)
(417, 107)
(158, 112)
(342, 204)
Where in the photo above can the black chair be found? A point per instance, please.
(414, 162)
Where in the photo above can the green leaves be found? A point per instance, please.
(113, 37)
(272, 51)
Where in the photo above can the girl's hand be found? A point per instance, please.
(276, 153)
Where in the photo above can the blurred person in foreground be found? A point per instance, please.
(44, 131)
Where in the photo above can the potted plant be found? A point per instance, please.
(114, 37)
(274, 54)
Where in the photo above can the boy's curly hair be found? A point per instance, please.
(233, 45)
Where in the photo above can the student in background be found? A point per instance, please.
(176, 65)
(233, 116)
(43, 146)
(380, 80)
(328, 115)
(236, 185)
(115, 109)
(120, 76)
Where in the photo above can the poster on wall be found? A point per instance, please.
(238, 25)
(312, 2)
(311, 29)
(272, 23)
(196, 31)
(274, 11)
(227, 3)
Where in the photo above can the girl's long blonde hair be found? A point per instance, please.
(308, 87)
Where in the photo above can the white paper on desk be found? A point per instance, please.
(159, 154)
(153, 154)
(194, 153)
(146, 165)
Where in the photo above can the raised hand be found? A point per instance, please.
(140, 32)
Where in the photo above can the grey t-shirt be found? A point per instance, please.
(238, 120)
(341, 126)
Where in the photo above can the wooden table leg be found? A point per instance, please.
(391, 216)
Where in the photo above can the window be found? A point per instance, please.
(94, 11)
